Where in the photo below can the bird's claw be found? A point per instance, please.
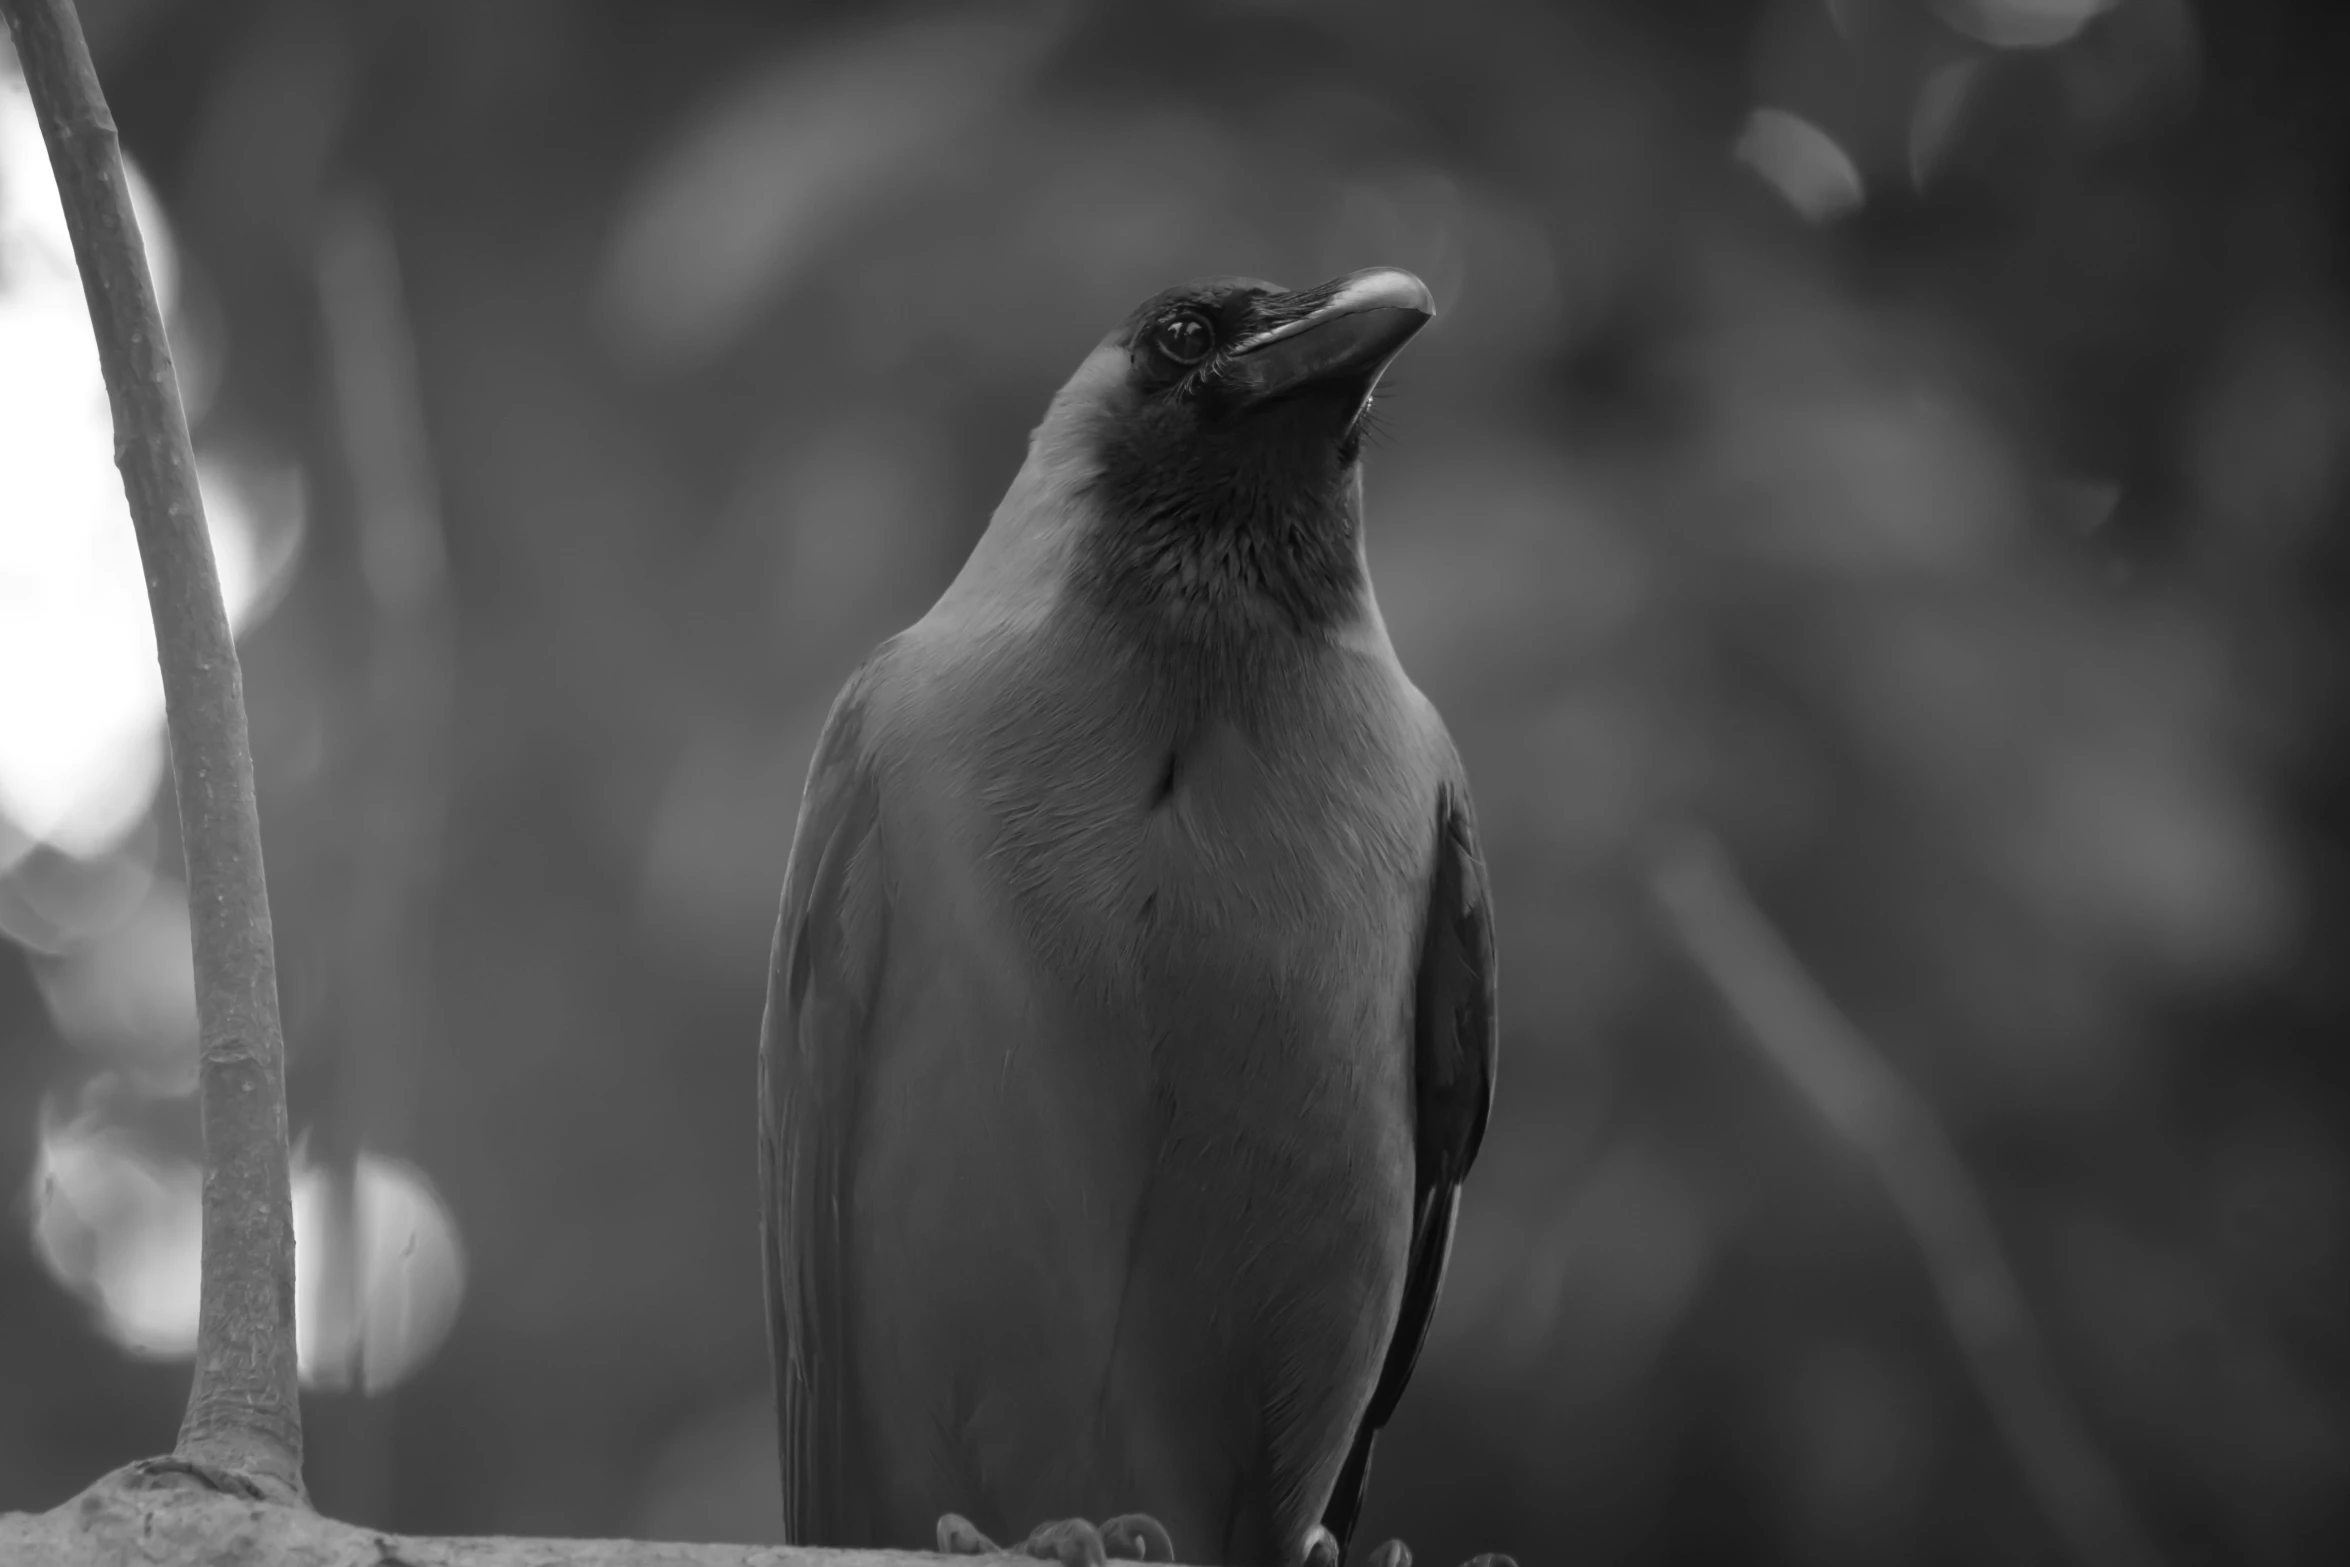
(1073, 1542)
(1137, 1537)
(1070, 1541)
(1393, 1554)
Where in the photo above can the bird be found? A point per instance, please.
(1130, 1027)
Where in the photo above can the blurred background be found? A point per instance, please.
(1901, 440)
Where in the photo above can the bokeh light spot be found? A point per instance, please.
(2021, 24)
(121, 1229)
(81, 700)
(1802, 162)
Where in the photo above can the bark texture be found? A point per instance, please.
(161, 1512)
(243, 1416)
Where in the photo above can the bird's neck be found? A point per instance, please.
(1229, 559)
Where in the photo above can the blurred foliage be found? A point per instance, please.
(1933, 483)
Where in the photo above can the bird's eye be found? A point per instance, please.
(1184, 339)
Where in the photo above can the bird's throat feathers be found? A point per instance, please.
(1225, 539)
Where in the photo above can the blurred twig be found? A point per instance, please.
(1868, 1103)
(402, 789)
(244, 1419)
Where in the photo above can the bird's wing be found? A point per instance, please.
(830, 944)
(1454, 1044)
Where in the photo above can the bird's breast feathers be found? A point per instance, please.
(1282, 836)
(1268, 847)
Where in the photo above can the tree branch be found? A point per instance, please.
(1859, 1094)
(244, 1417)
(150, 1513)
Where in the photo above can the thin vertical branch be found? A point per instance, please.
(1859, 1094)
(244, 1421)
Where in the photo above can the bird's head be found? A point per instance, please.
(1213, 442)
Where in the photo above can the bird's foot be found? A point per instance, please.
(959, 1536)
(1322, 1551)
(1073, 1542)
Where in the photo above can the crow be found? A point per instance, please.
(1130, 1028)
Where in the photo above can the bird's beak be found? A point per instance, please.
(1341, 333)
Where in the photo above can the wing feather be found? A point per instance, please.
(831, 941)
(1455, 1045)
